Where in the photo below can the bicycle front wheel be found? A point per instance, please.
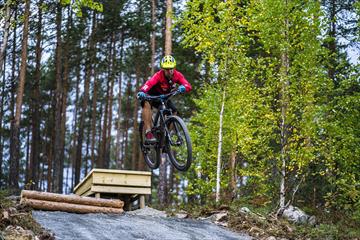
(151, 152)
(178, 143)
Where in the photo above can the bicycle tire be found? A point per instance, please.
(182, 159)
(151, 154)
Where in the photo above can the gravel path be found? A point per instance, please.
(138, 225)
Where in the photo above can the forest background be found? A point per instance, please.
(274, 109)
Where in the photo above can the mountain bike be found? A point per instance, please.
(172, 136)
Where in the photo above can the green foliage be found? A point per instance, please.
(77, 5)
(227, 35)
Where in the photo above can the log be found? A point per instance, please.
(74, 199)
(67, 207)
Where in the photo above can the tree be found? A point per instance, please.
(14, 161)
(35, 128)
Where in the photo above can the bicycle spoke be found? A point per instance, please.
(178, 144)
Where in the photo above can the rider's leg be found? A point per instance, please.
(146, 115)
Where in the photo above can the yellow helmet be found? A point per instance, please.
(168, 62)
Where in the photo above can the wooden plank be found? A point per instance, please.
(121, 190)
(85, 180)
(88, 193)
(121, 179)
(98, 170)
(85, 185)
(142, 201)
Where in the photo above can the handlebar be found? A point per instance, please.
(162, 97)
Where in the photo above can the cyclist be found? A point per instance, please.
(162, 82)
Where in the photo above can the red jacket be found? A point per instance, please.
(159, 83)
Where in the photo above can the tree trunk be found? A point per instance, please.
(88, 71)
(162, 190)
(65, 86)
(13, 85)
(27, 156)
(59, 100)
(233, 174)
(67, 207)
(170, 185)
(74, 139)
(119, 162)
(53, 197)
(284, 101)
(98, 159)
(104, 127)
(126, 120)
(332, 43)
(93, 121)
(1, 126)
(35, 128)
(14, 162)
(112, 79)
(168, 49)
(168, 34)
(218, 166)
(87, 151)
(135, 146)
(153, 35)
(50, 144)
(7, 18)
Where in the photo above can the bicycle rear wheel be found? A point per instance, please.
(178, 143)
(151, 153)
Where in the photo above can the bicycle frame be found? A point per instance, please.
(160, 118)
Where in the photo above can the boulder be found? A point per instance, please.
(296, 215)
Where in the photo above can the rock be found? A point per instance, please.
(182, 215)
(312, 220)
(17, 233)
(223, 224)
(5, 215)
(219, 217)
(245, 210)
(271, 238)
(295, 214)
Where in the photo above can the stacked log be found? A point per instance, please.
(70, 203)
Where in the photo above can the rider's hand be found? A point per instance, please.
(141, 95)
(182, 89)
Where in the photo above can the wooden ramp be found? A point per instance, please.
(124, 184)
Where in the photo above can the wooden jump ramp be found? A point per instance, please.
(112, 190)
(121, 184)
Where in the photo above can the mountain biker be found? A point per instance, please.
(162, 82)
